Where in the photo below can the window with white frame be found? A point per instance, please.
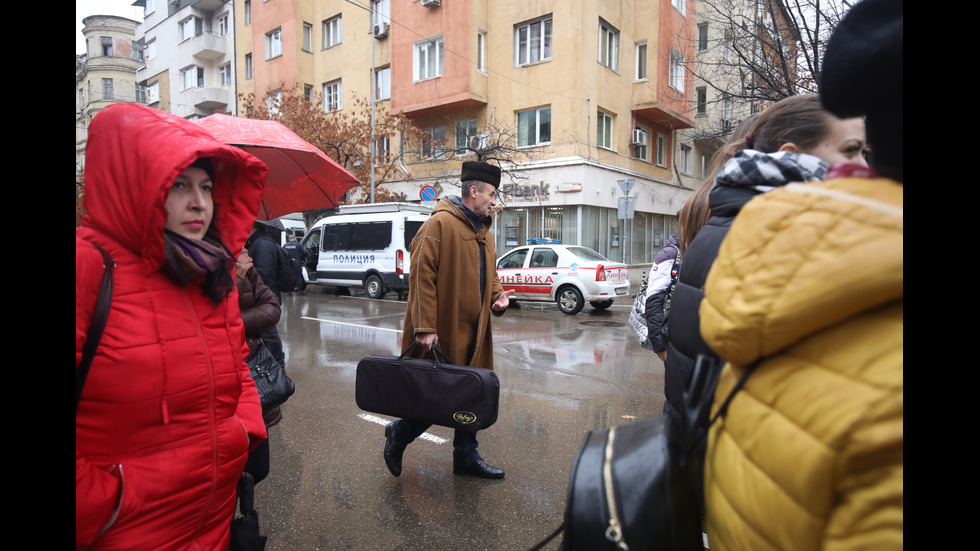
(380, 12)
(427, 60)
(532, 41)
(273, 44)
(224, 75)
(307, 37)
(604, 130)
(680, 5)
(381, 150)
(701, 100)
(140, 94)
(106, 42)
(464, 131)
(661, 150)
(676, 70)
(108, 90)
(702, 37)
(138, 50)
(191, 27)
(224, 24)
(641, 61)
(193, 77)
(81, 96)
(729, 51)
(534, 127)
(308, 92)
(382, 84)
(273, 99)
(153, 93)
(149, 6)
(481, 51)
(641, 147)
(608, 45)
(248, 12)
(332, 31)
(248, 66)
(687, 159)
(151, 50)
(433, 143)
(332, 96)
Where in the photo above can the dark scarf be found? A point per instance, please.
(187, 260)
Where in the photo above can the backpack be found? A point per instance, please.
(288, 274)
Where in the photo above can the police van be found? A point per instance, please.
(364, 246)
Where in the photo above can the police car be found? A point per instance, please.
(567, 274)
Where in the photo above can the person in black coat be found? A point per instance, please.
(265, 258)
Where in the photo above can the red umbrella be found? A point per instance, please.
(301, 177)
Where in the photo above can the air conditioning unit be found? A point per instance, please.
(478, 142)
(431, 3)
(639, 137)
(381, 30)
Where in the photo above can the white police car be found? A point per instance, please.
(567, 274)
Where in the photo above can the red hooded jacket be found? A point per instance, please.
(168, 412)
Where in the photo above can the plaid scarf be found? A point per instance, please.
(186, 260)
(767, 171)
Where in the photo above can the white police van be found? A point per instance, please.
(364, 246)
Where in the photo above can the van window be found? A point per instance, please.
(411, 228)
(370, 236)
(336, 237)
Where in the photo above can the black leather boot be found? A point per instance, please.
(392, 452)
(477, 467)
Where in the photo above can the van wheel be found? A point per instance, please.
(570, 300)
(601, 304)
(374, 286)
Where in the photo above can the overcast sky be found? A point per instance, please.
(85, 8)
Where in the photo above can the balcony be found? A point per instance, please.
(207, 99)
(207, 46)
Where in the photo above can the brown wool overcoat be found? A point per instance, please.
(444, 286)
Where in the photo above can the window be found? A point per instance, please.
(702, 37)
(641, 150)
(382, 84)
(224, 24)
(81, 96)
(532, 41)
(679, 5)
(381, 149)
(308, 92)
(153, 93)
(433, 143)
(481, 52)
(641, 61)
(729, 52)
(248, 66)
(332, 32)
(604, 130)
(608, 46)
(151, 50)
(248, 12)
(661, 150)
(140, 94)
(107, 89)
(107, 46)
(726, 112)
(273, 100)
(224, 75)
(149, 6)
(687, 159)
(191, 27)
(307, 37)
(332, 96)
(193, 77)
(534, 127)
(138, 51)
(676, 70)
(273, 44)
(428, 59)
(381, 12)
(464, 131)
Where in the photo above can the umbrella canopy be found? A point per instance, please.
(301, 177)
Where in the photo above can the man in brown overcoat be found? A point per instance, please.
(453, 290)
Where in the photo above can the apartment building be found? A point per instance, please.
(105, 74)
(594, 93)
(189, 56)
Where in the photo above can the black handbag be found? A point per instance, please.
(274, 386)
(638, 485)
(245, 535)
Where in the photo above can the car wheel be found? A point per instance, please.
(601, 304)
(570, 300)
(374, 286)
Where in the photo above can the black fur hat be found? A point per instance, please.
(481, 172)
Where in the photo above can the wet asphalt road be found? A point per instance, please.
(329, 489)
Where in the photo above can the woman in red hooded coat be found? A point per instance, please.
(168, 412)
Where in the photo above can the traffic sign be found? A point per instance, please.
(626, 185)
(428, 193)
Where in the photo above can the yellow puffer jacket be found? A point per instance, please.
(810, 454)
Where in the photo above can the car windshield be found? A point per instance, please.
(587, 254)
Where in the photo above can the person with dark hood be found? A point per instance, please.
(168, 412)
(263, 251)
(658, 283)
(452, 293)
(808, 290)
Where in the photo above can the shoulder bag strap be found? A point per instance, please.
(99, 317)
